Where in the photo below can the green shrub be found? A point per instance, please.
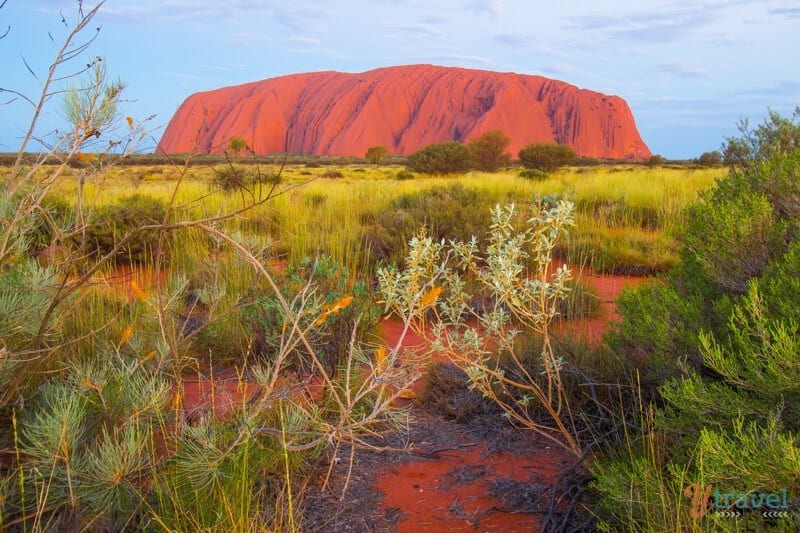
(658, 331)
(734, 240)
(109, 224)
(231, 178)
(710, 159)
(722, 335)
(546, 157)
(488, 151)
(449, 157)
(534, 174)
(656, 160)
(403, 175)
(375, 154)
(452, 212)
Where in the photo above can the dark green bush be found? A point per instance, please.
(734, 240)
(710, 159)
(722, 337)
(112, 223)
(488, 151)
(534, 174)
(547, 157)
(656, 160)
(403, 175)
(449, 157)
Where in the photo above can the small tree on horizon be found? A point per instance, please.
(656, 160)
(710, 159)
(547, 157)
(375, 154)
(488, 151)
(449, 157)
(237, 145)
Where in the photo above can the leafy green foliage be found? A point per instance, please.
(734, 240)
(375, 154)
(237, 145)
(450, 157)
(488, 151)
(775, 135)
(722, 338)
(547, 157)
(534, 174)
(710, 159)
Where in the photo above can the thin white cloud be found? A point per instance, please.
(249, 38)
(683, 70)
(422, 29)
(308, 41)
(492, 7)
(511, 39)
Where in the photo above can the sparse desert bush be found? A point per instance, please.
(546, 157)
(524, 297)
(232, 178)
(333, 174)
(453, 212)
(56, 215)
(449, 157)
(111, 225)
(332, 335)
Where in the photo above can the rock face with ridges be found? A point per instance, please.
(403, 108)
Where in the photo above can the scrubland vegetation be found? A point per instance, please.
(125, 290)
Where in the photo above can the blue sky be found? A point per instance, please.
(689, 69)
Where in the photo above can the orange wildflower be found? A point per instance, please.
(431, 297)
(380, 360)
(332, 309)
(126, 335)
(137, 291)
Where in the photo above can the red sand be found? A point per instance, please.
(402, 108)
(607, 287)
(434, 499)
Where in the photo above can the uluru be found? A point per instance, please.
(403, 108)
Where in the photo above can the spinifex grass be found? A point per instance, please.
(628, 217)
